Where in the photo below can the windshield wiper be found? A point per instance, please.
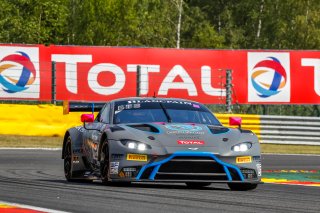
(165, 112)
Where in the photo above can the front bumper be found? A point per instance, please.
(194, 167)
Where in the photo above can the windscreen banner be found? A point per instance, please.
(99, 74)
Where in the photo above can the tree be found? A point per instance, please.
(28, 21)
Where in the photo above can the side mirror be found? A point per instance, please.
(235, 121)
(87, 118)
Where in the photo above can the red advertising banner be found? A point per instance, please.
(85, 73)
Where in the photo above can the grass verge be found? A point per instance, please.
(18, 141)
(56, 142)
(290, 149)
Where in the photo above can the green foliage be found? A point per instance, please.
(222, 24)
(245, 24)
(29, 21)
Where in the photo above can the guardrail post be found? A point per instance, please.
(138, 80)
(54, 83)
(228, 90)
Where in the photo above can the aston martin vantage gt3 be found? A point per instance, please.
(160, 140)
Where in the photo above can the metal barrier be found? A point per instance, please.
(290, 130)
(280, 129)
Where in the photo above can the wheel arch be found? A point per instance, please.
(103, 138)
(66, 135)
(76, 135)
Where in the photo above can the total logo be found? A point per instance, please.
(190, 142)
(19, 74)
(268, 77)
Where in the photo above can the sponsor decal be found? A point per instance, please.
(184, 129)
(163, 101)
(77, 150)
(19, 72)
(189, 137)
(259, 169)
(137, 157)
(268, 77)
(244, 159)
(80, 128)
(122, 174)
(126, 107)
(114, 168)
(129, 169)
(75, 159)
(193, 149)
(116, 156)
(195, 105)
(190, 142)
(256, 158)
(128, 172)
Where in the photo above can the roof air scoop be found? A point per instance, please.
(145, 127)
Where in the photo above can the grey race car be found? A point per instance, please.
(160, 140)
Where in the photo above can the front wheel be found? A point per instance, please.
(242, 186)
(104, 163)
(67, 160)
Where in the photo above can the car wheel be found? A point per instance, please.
(242, 186)
(197, 184)
(104, 163)
(68, 160)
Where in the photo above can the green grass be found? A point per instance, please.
(290, 149)
(56, 142)
(30, 141)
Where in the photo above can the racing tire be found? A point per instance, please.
(104, 163)
(196, 185)
(67, 160)
(242, 186)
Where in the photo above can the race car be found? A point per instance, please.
(160, 140)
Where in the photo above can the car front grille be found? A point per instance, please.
(196, 168)
(193, 168)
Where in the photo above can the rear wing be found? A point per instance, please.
(81, 107)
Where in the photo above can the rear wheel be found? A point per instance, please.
(242, 186)
(197, 184)
(68, 160)
(104, 162)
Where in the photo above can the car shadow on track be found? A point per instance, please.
(175, 186)
(182, 186)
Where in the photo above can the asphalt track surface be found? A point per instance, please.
(35, 177)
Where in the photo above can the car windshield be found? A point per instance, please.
(155, 110)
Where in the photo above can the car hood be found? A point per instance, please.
(182, 134)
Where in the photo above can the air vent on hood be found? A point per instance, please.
(245, 131)
(218, 130)
(116, 128)
(145, 127)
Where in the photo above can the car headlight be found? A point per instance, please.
(142, 147)
(135, 145)
(242, 147)
(132, 145)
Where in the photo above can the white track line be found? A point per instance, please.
(31, 207)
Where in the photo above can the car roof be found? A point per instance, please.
(151, 98)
